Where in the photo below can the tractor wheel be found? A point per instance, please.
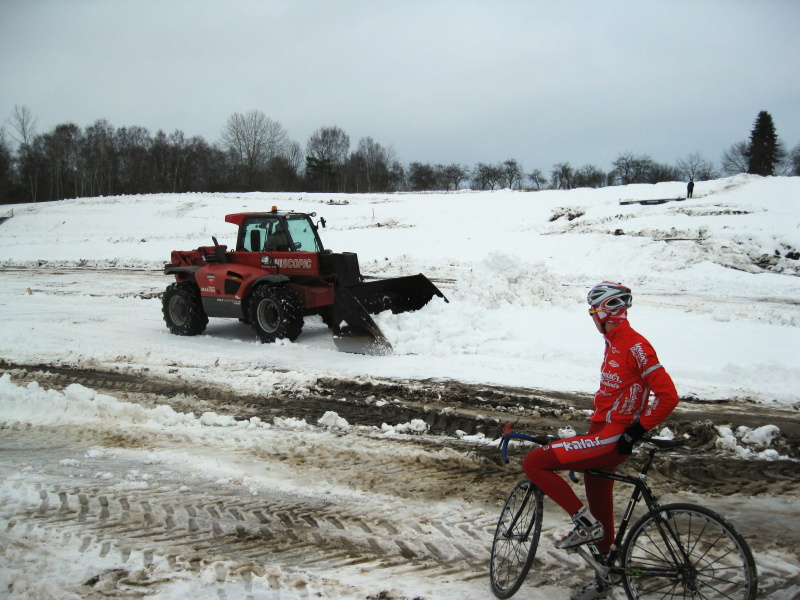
(183, 309)
(276, 312)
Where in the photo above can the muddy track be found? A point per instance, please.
(451, 407)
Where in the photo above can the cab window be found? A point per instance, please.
(302, 233)
(257, 232)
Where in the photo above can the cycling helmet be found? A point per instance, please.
(609, 296)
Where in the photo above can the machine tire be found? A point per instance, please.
(275, 312)
(183, 309)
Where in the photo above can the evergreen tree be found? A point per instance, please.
(763, 153)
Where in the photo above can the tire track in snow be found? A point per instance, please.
(196, 527)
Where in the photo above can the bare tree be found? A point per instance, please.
(294, 154)
(98, 160)
(630, 168)
(562, 176)
(695, 166)
(510, 174)
(24, 124)
(658, 172)
(59, 151)
(453, 174)
(134, 160)
(794, 161)
(372, 163)
(589, 176)
(329, 143)
(486, 176)
(734, 159)
(6, 168)
(252, 140)
(537, 178)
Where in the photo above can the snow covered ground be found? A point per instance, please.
(716, 289)
(516, 268)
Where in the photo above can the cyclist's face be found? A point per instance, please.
(597, 317)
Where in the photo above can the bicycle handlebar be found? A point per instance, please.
(509, 435)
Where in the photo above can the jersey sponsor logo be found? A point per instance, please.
(585, 443)
(639, 355)
(611, 380)
(632, 401)
(581, 444)
(293, 263)
(613, 363)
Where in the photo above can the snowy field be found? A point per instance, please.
(516, 267)
(716, 290)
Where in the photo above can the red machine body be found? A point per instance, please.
(280, 273)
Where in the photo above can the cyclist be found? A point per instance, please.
(623, 412)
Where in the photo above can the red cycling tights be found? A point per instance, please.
(595, 450)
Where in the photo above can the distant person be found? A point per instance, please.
(690, 188)
(623, 412)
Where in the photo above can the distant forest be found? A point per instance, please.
(255, 153)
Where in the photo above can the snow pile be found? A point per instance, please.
(665, 434)
(749, 443)
(78, 404)
(332, 420)
(413, 426)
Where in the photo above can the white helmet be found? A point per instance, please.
(609, 296)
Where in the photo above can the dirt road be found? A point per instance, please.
(339, 505)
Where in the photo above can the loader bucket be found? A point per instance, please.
(399, 295)
(355, 331)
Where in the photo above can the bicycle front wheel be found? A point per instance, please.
(687, 551)
(516, 539)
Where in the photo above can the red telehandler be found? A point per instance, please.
(280, 273)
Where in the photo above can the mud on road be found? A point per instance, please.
(417, 508)
(455, 409)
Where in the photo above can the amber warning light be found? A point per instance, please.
(274, 209)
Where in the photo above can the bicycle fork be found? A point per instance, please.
(508, 533)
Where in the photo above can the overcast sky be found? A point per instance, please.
(439, 81)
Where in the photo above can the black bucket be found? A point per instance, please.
(401, 294)
(354, 329)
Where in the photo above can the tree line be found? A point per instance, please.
(255, 153)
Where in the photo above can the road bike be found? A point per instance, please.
(673, 551)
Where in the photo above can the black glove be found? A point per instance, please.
(629, 437)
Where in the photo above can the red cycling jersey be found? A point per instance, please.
(630, 372)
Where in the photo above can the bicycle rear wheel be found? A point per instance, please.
(687, 551)
(516, 539)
